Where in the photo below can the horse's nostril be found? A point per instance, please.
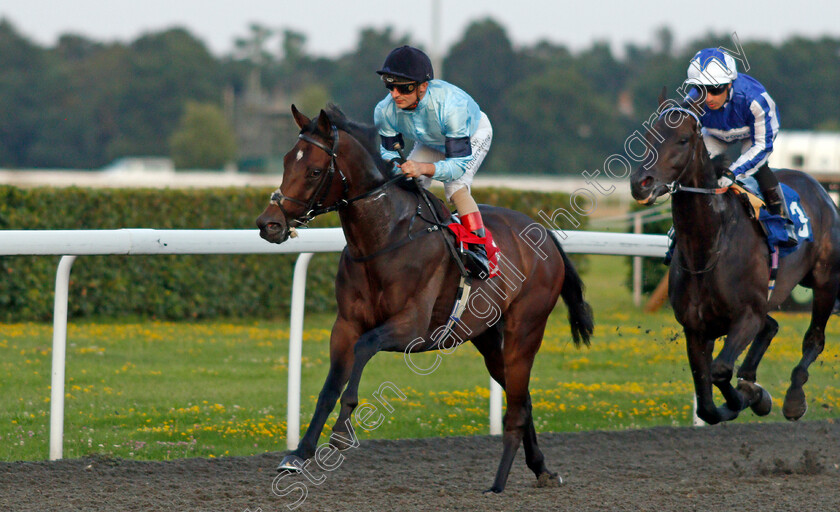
(647, 182)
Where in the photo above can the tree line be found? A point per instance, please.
(84, 103)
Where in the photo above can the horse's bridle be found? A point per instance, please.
(675, 186)
(315, 205)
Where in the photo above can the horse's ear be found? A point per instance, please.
(694, 104)
(301, 120)
(662, 95)
(324, 124)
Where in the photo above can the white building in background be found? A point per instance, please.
(817, 153)
(141, 165)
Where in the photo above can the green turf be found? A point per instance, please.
(159, 390)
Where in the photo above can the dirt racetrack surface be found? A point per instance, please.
(755, 467)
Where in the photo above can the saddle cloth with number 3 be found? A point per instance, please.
(774, 225)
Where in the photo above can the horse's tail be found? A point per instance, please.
(580, 312)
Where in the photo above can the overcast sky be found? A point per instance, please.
(333, 27)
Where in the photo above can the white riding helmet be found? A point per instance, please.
(711, 66)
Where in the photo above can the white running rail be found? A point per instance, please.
(72, 243)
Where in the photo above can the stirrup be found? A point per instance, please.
(791, 234)
(476, 262)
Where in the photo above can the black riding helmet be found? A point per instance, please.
(406, 64)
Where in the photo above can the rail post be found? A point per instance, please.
(62, 289)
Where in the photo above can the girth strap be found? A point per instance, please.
(410, 238)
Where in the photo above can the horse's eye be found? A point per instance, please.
(683, 141)
(314, 173)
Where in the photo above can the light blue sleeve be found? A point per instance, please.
(385, 129)
(456, 128)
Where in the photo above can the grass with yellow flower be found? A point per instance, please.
(162, 390)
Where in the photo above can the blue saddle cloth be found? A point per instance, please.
(774, 225)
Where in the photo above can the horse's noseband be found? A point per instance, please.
(315, 205)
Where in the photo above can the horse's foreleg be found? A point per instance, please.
(341, 342)
(759, 399)
(368, 345)
(740, 335)
(700, 360)
(812, 346)
(759, 346)
(489, 345)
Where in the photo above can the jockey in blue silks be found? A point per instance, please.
(738, 109)
(451, 133)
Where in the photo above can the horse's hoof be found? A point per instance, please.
(291, 463)
(760, 400)
(338, 440)
(494, 490)
(764, 404)
(549, 479)
(795, 404)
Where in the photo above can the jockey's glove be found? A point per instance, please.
(726, 180)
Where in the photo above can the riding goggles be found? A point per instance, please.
(401, 88)
(402, 85)
(714, 90)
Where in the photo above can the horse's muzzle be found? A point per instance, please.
(645, 188)
(273, 228)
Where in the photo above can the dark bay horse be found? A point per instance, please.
(719, 275)
(395, 286)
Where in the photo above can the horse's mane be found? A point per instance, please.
(720, 164)
(367, 135)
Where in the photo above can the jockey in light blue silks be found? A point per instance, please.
(738, 109)
(451, 133)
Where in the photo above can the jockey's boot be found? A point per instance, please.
(476, 256)
(775, 202)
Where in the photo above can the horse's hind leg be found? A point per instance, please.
(534, 457)
(489, 344)
(812, 346)
(519, 351)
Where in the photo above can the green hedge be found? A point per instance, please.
(173, 287)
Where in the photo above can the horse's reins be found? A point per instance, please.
(465, 285)
(422, 190)
(675, 186)
(314, 206)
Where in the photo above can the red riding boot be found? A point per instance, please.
(476, 255)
